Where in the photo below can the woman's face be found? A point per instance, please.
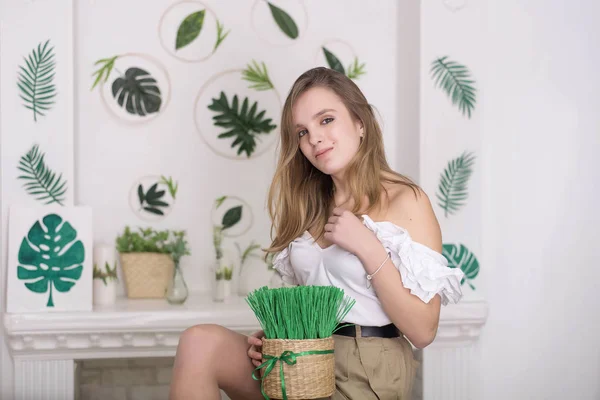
(328, 135)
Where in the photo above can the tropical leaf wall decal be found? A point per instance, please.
(232, 217)
(221, 35)
(284, 21)
(172, 186)
(105, 70)
(44, 263)
(42, 183)
(189, 29)
(333, 62)
(258, 77)
(244, 124)
(138, 92)
(354, 70)
(455, 80)
(36, 80)
(460, 257)
(151, 200)
(452, 190)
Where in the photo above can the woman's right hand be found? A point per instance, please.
(255, 350)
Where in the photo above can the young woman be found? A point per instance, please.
(341, 217)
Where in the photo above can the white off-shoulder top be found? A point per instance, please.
(424, 272)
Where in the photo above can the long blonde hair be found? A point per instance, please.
(300, 196)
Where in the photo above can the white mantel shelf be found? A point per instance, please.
(42, 343)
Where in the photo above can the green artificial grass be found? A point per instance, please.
(299, 312)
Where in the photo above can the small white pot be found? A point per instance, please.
(105, 294)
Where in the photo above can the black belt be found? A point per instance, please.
(387, 331)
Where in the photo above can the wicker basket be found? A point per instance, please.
(147, 275)
(311, 377)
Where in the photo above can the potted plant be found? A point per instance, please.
(104, 277)
(223, 277)
(146, 260)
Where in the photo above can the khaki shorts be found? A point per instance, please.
(373, 368)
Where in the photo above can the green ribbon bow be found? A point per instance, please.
(287, 357)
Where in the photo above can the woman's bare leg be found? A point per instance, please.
(210, 357)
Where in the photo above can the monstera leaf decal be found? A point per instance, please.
(137, 91)
(460, 257)
(50, 257)
(244, 124)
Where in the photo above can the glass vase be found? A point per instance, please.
(177, 292)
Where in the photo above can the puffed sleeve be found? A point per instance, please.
(282, 264)
(424, 272)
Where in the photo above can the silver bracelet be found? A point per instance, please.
(369, 277)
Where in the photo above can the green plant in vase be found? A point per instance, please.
(224, 272)
(178, 246)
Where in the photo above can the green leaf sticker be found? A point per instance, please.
(42, 182)
(460, 257)
(244, 124)
(221, 35)
(333, 62)
(220, 201)
(36, 80)
(50, 257)
(284, 21)
(452, 190)
(105, 69)
(232, 217)
(137, 91)
(151, 200)
(455, 80)
(356, 70)
(259, 77)
(189, 29)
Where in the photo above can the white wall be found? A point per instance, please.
(541, 216)
(111, 155)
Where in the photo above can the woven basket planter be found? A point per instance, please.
(310, 376)
(147, 275)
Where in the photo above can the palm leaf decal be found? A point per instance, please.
(151, 200)
(460, 257)
(284, 21)
(259, 77)
(42, 183)
(35, 80)
(244, 124)
(455, 80)
(452, 190)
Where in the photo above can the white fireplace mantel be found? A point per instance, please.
(45, 345)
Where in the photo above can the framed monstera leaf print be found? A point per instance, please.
(50, 259)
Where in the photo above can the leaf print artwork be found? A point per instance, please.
(189, 29)
(50, 257)
(221, 35)
(452, 190)
(41, 182)
(151, 200)
(137, 91)
(284, 21)
(36, 80)
(245, 124)
(460, 257)
(456, 81)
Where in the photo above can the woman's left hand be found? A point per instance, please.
(347, 231)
